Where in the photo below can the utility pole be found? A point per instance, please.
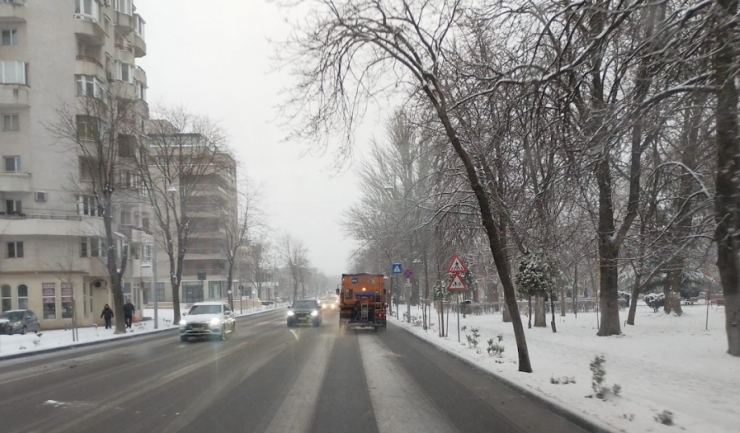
(154, 277)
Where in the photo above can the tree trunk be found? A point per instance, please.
(667, 305)
(507, 316)
(113, 272)
(229, 283)
(540, 315)
(633, 299)
(562, 302)
(500, 257)
(529, 311)
(608, 298)
(552, 309)
(674, 283)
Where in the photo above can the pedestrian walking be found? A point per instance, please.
(128, 312)
(107, 315)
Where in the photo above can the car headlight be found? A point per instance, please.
(18, 323)
(183, 323)
(215, 321)
(315, 313)
(291, 313)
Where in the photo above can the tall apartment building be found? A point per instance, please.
(55, 52)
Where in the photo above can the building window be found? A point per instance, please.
(7, 301)
(103, 247)
(12, 163)
(145, 222)
(146, 253)
(124, 7)
(12, 72)
(214, 290)
(83, 246)
(125, 217)
(87, 205)
(87, 9)
(67, 301)
(127, 288)
(11, 123)
(126, 70)
(15, 250)
(13, 207)
(87, 127)
(160, 292)
(128, 179)
(140, 90)
(49, 294)
(139, 25)
(219, 267)
(10, 37)
(88, 85)
(126, 146)
(22, 297)
(94, 247)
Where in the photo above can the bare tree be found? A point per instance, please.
(294, 256)
(258, 265)
(351, 50)
(238, 221)
(102, 128)
(184, 155)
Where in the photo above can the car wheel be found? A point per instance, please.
(23, 331)
(184, 339)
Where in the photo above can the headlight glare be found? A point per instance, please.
(291, 313)
(183, 323)
(215, 321)
(315, 313)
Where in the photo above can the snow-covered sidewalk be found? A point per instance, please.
(12, 345)
(665, 363)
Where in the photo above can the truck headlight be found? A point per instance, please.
(315, 313)
(215, 321)
(183, 323)
(291, 313)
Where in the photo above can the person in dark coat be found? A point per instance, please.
(107, 315)
(128, 312)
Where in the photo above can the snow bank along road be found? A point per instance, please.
(267, 378)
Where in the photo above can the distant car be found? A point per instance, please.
(304, 312)
(18, 322)
(208, 320)
(329, 304)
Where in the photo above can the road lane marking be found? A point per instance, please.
(298, 408)
(398, 402)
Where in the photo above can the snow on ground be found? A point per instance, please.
(663, 363)
(47, 339)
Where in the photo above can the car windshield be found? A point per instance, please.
(304, 304)
(205, 309)
(12, 316)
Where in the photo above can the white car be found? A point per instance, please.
(208, 319)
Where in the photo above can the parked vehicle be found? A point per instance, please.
(18, 322)
(207, 320)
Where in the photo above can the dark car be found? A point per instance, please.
(18, 322)
(304, 312)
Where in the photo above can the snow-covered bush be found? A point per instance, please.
(665, 417)
(565, 380)
(598, 379)
(495, 348)
(655, 300)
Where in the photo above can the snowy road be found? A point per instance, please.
(266, 378)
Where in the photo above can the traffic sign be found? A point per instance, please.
(396, 268)
(456, 284)
(408, 273)
(457, 266)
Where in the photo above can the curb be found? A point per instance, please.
(574, 417)
(109, 340)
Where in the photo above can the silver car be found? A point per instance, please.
(18, 322)
(208, 320)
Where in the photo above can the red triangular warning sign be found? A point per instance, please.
(457, 266)
(456, 284)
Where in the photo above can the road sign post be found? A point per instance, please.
(457, 284)
(396, 268)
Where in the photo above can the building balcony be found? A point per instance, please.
(139, 46)
(15, 182)
(140, 75)
(13, 95)
(90, 66)
(89, 30)
(124, 90)
(124, 23)
(50, 225)
(12, 11)
(125, 53)
(135, 235)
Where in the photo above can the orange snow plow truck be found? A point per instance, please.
(362, 301)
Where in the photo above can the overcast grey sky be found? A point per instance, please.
(213, 57)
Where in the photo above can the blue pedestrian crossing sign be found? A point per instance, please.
(397, 268)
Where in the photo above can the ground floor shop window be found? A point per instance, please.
(67, 301)
(192, 291)
(23, 297)
(48, 292)
(214, 290)
(6, 299)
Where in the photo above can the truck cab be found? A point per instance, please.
(362, 301)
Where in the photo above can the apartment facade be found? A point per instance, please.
(52, 239)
